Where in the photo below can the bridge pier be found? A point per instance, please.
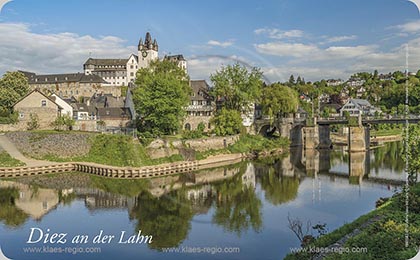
(324, 137)
(358, 139)
(310, 137)
(293, 132)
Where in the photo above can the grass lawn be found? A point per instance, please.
(7, 161)
(386, 132)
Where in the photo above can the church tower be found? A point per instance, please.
(147, 51)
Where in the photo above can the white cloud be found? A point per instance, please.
(274, 33)
(286, 49)
(220, 44)
(339, 39)
(410, 27)
(53, 53)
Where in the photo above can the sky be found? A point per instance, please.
(316, 39)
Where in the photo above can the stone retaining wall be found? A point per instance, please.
(165, 148)
(63, 145)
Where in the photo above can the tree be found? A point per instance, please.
(292, 80)
(277, 98)
(237, 86)
(160, 97)
(13, 86)
(227, 122)
(15, 81)
(375, 75)
(413, 153)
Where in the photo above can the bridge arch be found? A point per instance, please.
(267, 130)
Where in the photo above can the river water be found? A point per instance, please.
(235, 212)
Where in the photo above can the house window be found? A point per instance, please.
(131, 74)
(43, 103)
(131, 67)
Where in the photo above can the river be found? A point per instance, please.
(242, 208)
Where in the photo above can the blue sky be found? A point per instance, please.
(313, 38)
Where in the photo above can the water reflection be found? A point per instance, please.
(232, 198)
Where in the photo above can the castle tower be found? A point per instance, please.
(147, 51)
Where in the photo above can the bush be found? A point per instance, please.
(198, 133)
(8, 117)
(33, 122)
(249, 143)
(63, 122)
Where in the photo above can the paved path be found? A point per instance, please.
(10, 148)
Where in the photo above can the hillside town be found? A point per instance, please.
(209, 130)
(101, 97)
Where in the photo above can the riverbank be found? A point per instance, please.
(119, 156)
(381, 232)
(124, 151)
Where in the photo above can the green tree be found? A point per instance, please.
(277, 98)
(413, 153)
(8, 98)
(160, 97)
(375, 75)
(15, 81)
(227, 122)
(292, 80)
(237, 86)
(13, 86)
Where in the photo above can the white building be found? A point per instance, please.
(334, 82)
(67, 109)
(120, 72)
(355, 82)
(357, 107)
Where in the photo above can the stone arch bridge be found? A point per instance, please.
(317, 135)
